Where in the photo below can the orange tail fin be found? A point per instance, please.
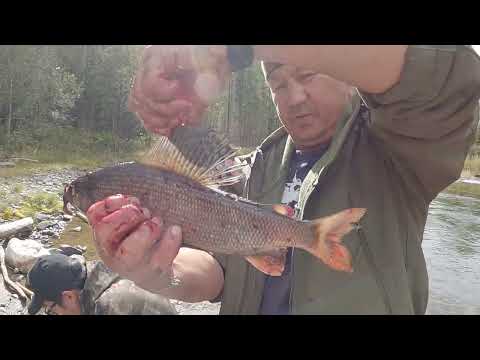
(329, 232)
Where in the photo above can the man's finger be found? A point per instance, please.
(102, 208)
(136, 246)
(166, 249)
(155, 86)
(112, 229)
(160, 126)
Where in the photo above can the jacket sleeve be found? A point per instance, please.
(428, 120)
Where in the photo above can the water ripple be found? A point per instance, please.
(452, 252)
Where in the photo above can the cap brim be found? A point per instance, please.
(35, 305)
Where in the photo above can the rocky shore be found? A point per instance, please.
(47, 231)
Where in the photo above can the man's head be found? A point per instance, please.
(56, 281)
(308, 103)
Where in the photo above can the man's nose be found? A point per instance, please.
(296, 94)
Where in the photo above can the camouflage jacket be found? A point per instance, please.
(392, 159)
(105, 293)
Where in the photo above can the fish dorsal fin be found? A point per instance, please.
(200, 154)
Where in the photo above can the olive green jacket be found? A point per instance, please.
(105, 293)
(394, 159)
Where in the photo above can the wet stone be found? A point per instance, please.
(42, 217)
(70, 250)
(45, 224)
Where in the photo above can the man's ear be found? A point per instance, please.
(68, 296)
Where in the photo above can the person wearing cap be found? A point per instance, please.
(381, 127)
(64, 286)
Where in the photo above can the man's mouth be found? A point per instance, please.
(302, 116)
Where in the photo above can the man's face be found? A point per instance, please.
(309, 104)
(69, 305)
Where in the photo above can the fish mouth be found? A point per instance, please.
(67, 199)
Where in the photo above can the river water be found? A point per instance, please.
(452, 250)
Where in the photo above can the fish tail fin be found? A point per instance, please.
(329, 232)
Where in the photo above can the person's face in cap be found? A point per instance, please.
(309, 104)
(69, 304)
(56, 281)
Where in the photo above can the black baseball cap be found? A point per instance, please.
(50, 276)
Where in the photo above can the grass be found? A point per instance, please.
(472, 166)
(18, 188)
(57, 148)
(30, 169)
(464, 189)
(41, 202)
(8, 213)
(90, 161)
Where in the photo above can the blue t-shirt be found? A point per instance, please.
(276, 293)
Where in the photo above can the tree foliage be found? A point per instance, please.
(47, 92)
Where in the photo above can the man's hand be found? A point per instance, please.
(175, 84)
(133, 244)
(140, 248)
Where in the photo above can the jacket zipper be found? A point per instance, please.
(378, 276)
(290, 298)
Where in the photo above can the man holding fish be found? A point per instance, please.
(375, 127)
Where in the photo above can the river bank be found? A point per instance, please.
(466, 187)
(52, 230)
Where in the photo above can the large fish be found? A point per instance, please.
(178, 182)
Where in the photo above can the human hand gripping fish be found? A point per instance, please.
(182, 208)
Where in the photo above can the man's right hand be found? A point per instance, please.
(140, 248)
(175, 84)
(132, 243)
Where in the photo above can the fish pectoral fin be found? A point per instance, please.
(271, 263)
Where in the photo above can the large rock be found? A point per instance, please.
(22, 254)
(16, 228)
